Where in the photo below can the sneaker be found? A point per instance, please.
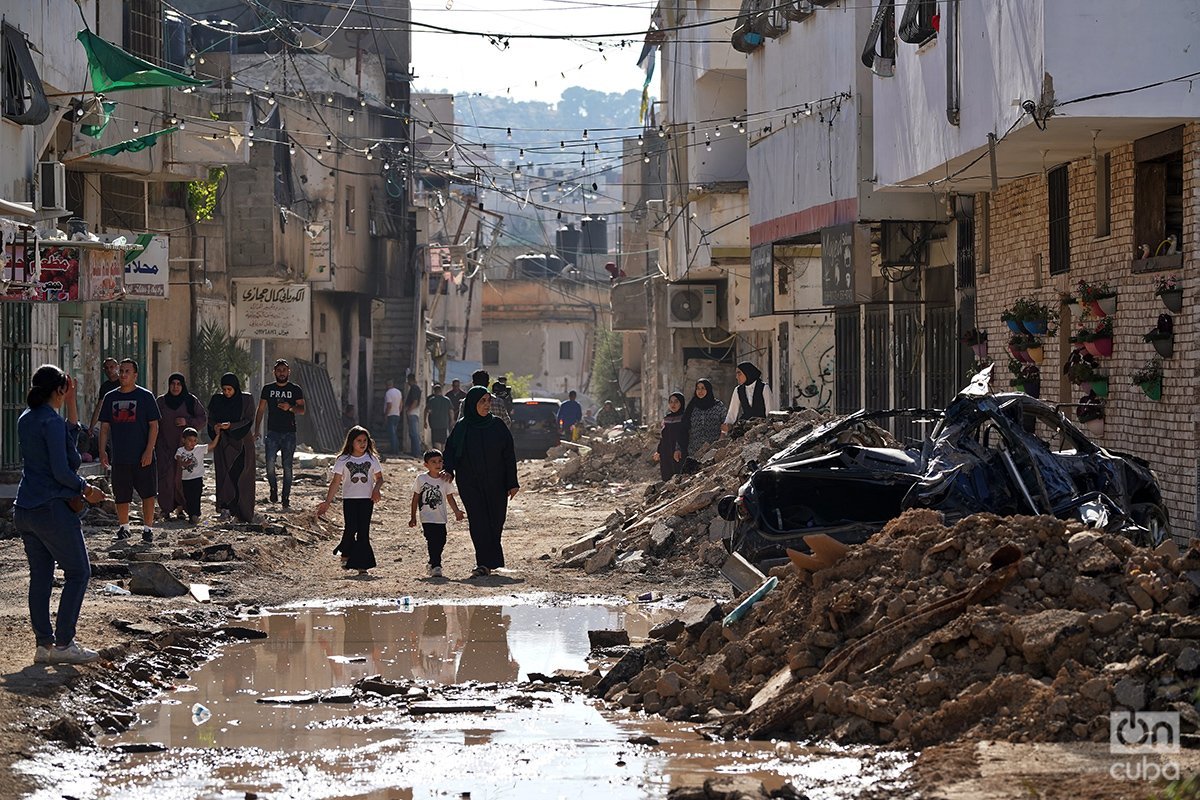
(123, 533)
(72, 654)
(42, 654)
(435, 572)
(147, 535)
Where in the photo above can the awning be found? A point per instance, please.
(10, 209)
(114, 70)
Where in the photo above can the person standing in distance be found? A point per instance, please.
(393, 402)
(456, 396)
(280, 401)
(129, 415)
(109, 383)
(439, 415)
(570, 414)
(412, 411)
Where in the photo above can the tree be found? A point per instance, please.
(606, 365)
(215, 352)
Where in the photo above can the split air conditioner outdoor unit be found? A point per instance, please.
(52, 186)
(692, 305)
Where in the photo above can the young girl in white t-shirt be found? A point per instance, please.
(359, 473)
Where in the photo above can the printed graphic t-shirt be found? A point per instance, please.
(129, 415)
(278, 420)
(431, 497)
(192, 465)
(358, 475)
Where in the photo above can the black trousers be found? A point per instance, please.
(435, 539)
(193, 490)
(356, 539)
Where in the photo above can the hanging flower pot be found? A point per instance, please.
(1014, 325)
(1099, 386)
(1035, 327)
(1033, 388)
(1107, 305)
(1094, 427)
(1172, 299)
(1164, 347)
(980, 350)
(1101, 347)
(1153, 388)
(1036, 354)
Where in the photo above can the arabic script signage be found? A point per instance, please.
(271, 310)
(54, 280)
(148, 273)
(762, 280)
(103, 275)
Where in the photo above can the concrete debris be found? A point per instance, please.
(598, 640)
(993, 628)
(153, 578)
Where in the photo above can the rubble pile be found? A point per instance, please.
(608, 459)
(1020, 628)
(677, 519)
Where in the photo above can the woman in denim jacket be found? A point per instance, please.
(43, 515)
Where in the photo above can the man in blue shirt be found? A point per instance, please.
(570, 414)
(129, 415)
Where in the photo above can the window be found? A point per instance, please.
(144, 29)
(1158, 193)
(564, 351)
(349, 208)
(491, 353)
(1103, 194)
(321, 318)
(122, 203)
(1060, 219)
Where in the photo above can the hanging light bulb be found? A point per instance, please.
(741, 127)
(137, 126)
(266, 86)
(362, 101)
(370, 155)
(707, 144)
(585, 134)
(597, 146)
(174, 119)
(405, 148)
(641, 141)
(320, 155)
(386, 165)
(292, 149)
(662, 132)
(329, 141)
(562, 145)
(249, 133)
(299, 94)
(430, 129)
(522, 154)
(182, 124)
(350, 117)
(249, 91)
(79, 111)
(508, 133)
(329, 99)
(646, 158)
(807, 110)
(271, 99)
(192, 56)
(518, 171)
(201, 59)
(249, 143)
(717, 131)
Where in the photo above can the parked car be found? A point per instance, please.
(1003, 453)
(534, 426)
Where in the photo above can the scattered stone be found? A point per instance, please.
(598, 640)
(242, 632)
(1130, 693)
(697, 613)
(602, 559)
(68, 731)
(629, 665)
(152, 578)
(139, 747)
(648, 741)
(451, 707)
(668, 630)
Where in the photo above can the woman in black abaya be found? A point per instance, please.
(480, 458)
(179, 409)
(232, 412)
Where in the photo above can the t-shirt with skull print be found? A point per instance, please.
(358, 475)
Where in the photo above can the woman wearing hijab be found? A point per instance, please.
(480, 457)
(673, 439)
(703, 416)
(752, 399)
(179, 409)
(231, 411)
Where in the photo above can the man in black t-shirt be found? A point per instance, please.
(129, 418)
(281, 401)
(412, 415)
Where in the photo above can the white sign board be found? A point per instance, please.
(148, 274)
(316, 256)
(271, 310)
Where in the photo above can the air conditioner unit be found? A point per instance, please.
(692, 305)
(52, 186)
(656, 214)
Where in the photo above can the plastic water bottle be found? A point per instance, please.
(113, 589)
(406, 604)
(200, 715)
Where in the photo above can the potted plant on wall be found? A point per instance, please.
(977, 340)
(1099, 297)
(1162, 336)
(1169, 289)
(1097, 341)
(1024, 347)
(1035, 317)
(1150, 379)
(1071, 302)
(1084, 372)
(1090, 413)
(1026, 378)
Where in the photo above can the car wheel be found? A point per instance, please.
(1153, 518)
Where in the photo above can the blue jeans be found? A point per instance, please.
(52, 534)
(285, 445)
(414, 435)
(393, 422)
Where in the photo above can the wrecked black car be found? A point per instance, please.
(1000, 453)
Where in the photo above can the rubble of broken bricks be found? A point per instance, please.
(677, 520)
(1020, 628)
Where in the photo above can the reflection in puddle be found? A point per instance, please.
(544, 744)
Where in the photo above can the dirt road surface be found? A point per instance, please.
(273, 567)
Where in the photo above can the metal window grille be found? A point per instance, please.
(966, 242)
(1060, 220)
(940, 353)
(877, 334)
(144, 29)
(123, 203)
(847, 360)
(907, 384)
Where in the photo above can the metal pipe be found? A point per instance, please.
(950, 29)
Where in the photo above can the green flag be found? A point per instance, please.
(113, 70)
(103, 117)
(142, 241)
(132, 145)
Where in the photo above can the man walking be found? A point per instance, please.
(570, 414)
(456, 395)
(281, 401)
(109, 383)
(439, 415)
(129, 415)
(412, 410)
(393, 401)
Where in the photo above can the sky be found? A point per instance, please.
(529, 69)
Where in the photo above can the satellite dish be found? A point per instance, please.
(687, 305)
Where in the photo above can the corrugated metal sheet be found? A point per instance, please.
(321, 424)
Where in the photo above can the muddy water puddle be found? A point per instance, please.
(277, 718)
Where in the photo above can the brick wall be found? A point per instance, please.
(1164, 433)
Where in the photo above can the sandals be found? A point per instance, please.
(480, 572)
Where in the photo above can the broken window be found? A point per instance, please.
(1158, 192)
(24, 100)
(1058, 189)
(920, 21)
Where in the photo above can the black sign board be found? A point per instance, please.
(837, 265)
(762, 280)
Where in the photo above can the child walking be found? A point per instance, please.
(431, 494)
(359, 473)
(191, 470)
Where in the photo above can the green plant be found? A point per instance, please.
(1167, 283)
(202, 195)
(1082, 372)
(1183, 789)
(521, 385)
(1149, 373)
(1024, 341)
(1023, 371)
(215, 352)
(1103, 330)
(1090, 407)
(1090, 292)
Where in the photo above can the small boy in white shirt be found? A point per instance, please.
(431, 494)
(191, 471)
